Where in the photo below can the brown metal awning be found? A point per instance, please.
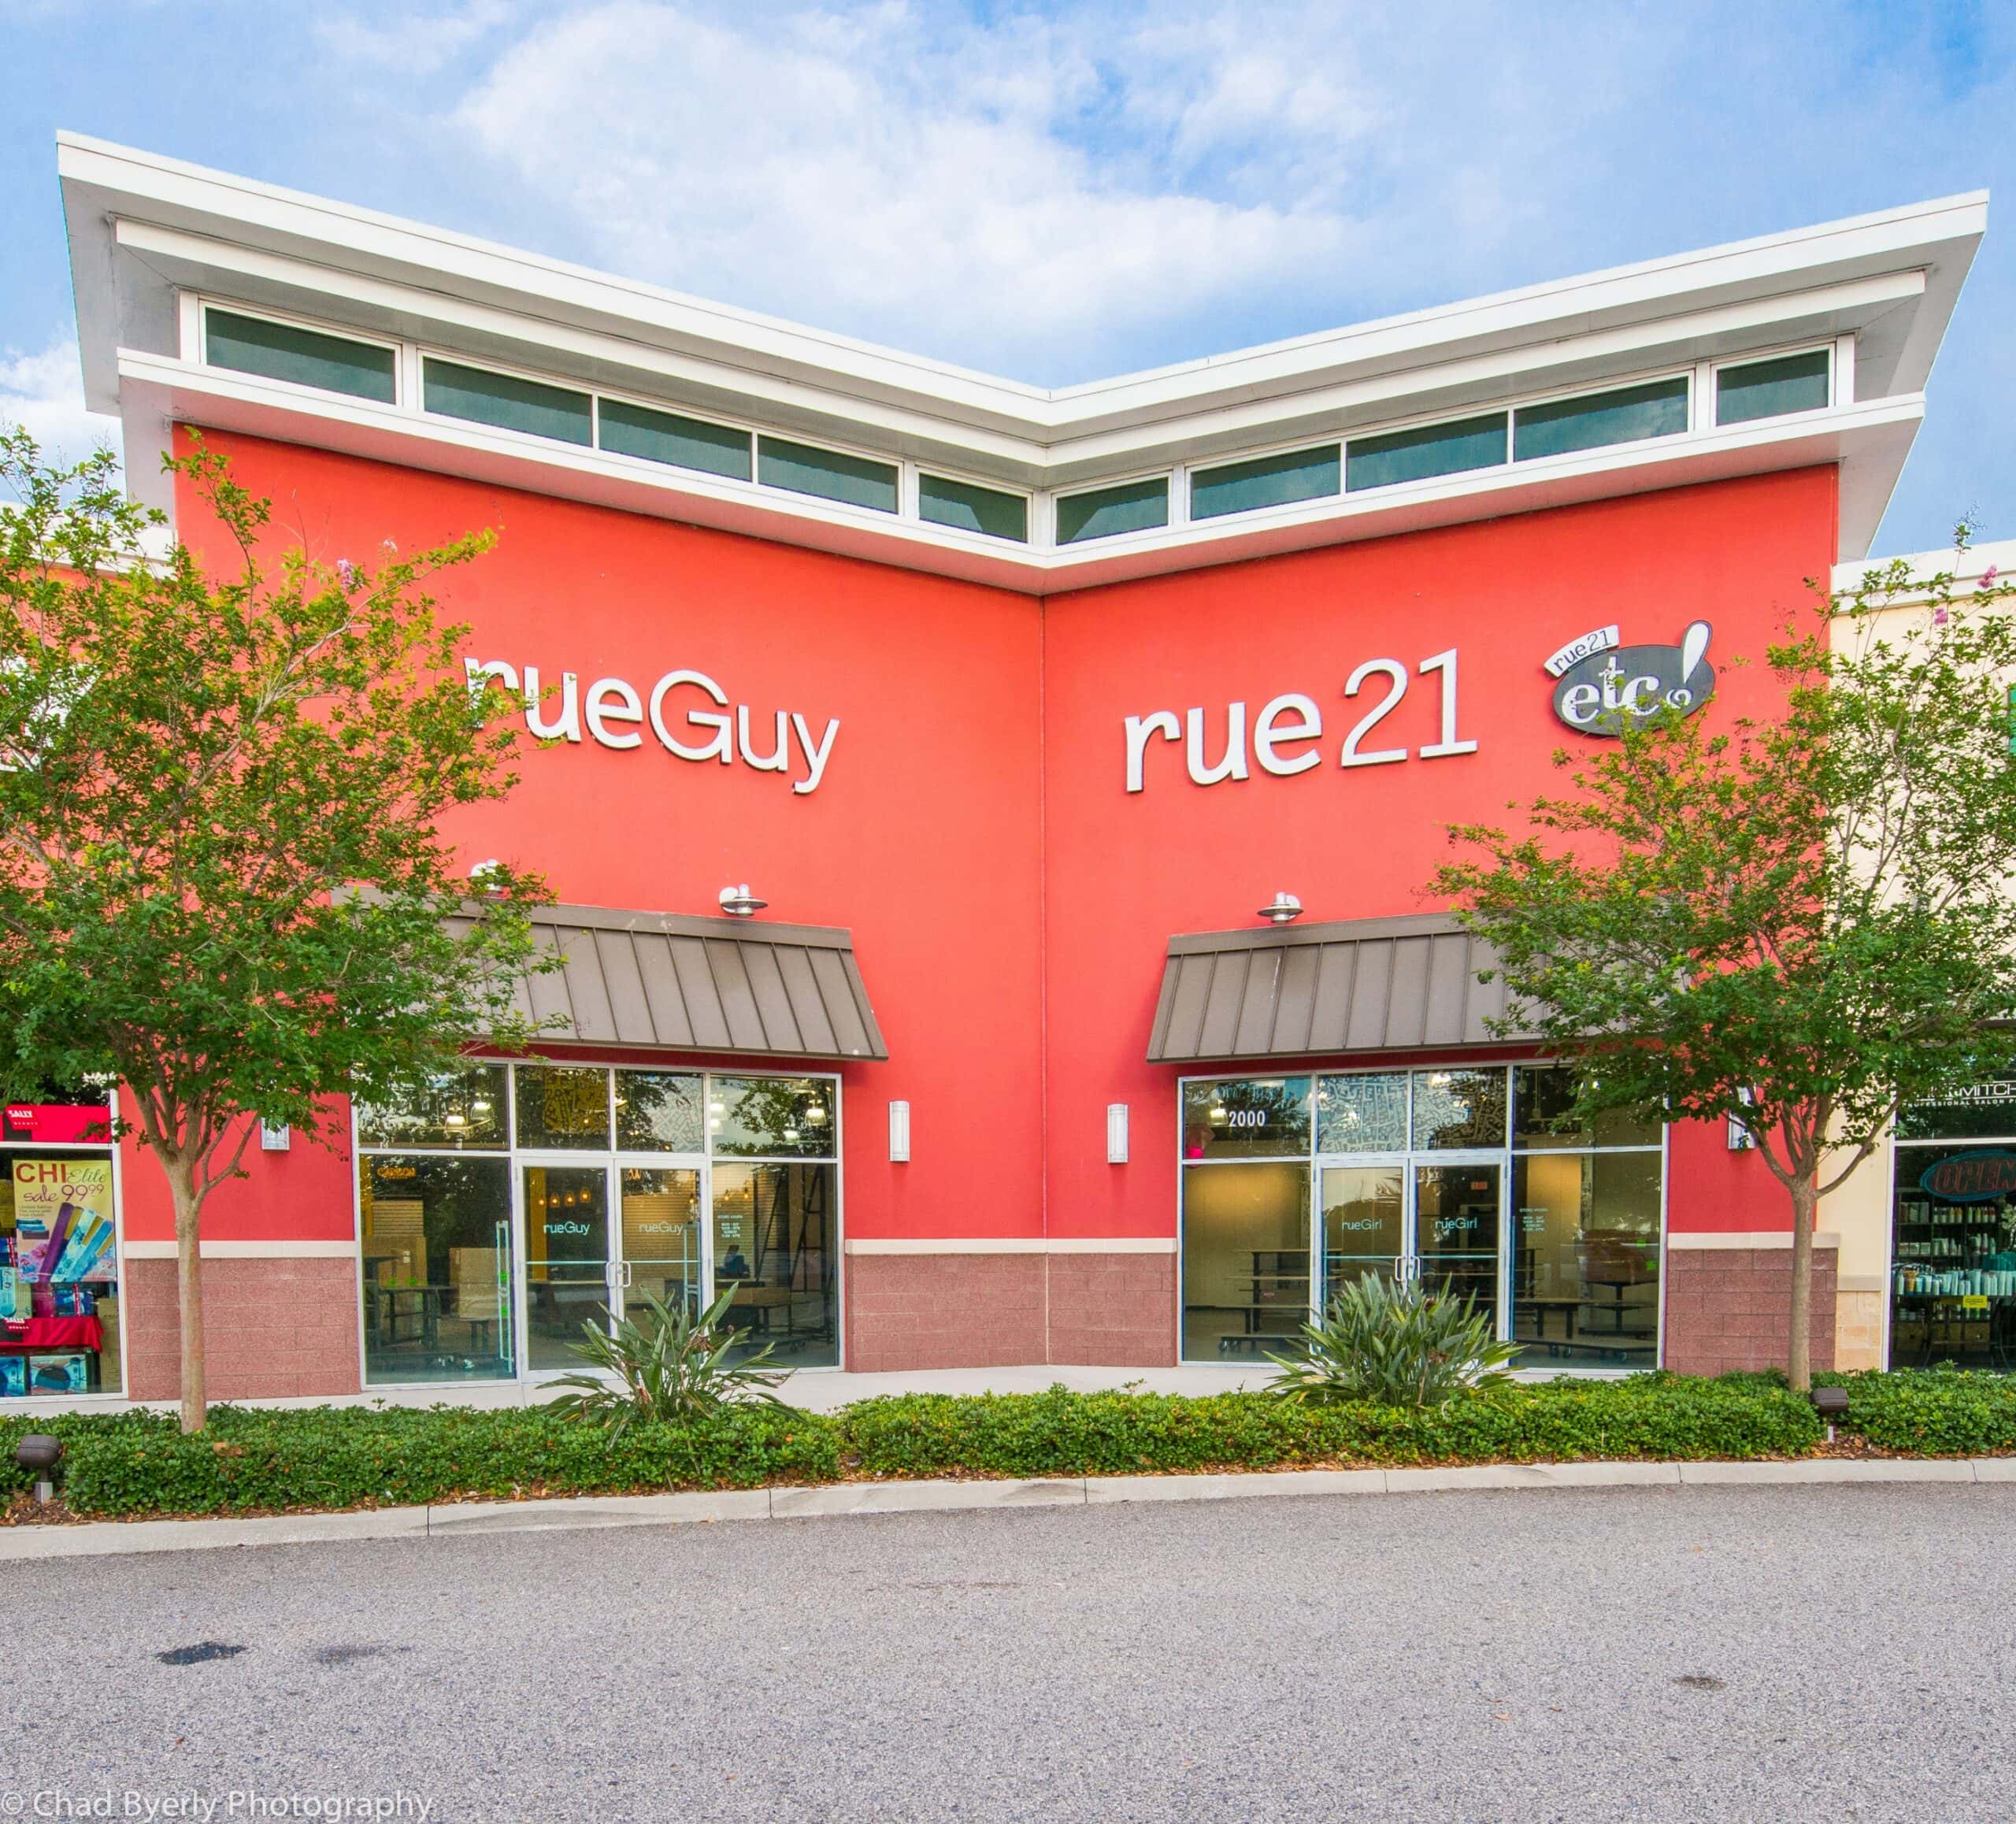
(699, 984)
(1359, 985)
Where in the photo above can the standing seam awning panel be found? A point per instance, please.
(1371, 985)
(704, 985)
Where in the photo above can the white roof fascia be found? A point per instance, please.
(1874, 435)
(1966, 568)
(103, 182)
(258, 280)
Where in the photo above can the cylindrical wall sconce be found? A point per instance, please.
(900, 1133)
(1116, 1133)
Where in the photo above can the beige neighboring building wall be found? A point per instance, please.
(1860, 1211)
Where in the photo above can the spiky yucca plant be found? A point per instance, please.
(1392, 1345)
(674, 1367)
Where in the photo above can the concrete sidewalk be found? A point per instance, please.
(122, 1538)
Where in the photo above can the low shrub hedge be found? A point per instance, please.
(334, 1457)
(1063, 1434)
(337, 1457)
(1931, 1411)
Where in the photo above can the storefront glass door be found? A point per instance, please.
(1457, 1206)
(1365, 1222)
(660, 1239)
(568, 1275)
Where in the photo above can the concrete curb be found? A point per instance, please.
(107, 1538)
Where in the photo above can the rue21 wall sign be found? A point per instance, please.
(1603, 687)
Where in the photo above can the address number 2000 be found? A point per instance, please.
(1284, 733)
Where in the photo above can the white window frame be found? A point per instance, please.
(1829, 347)
(206, 302)
(978, 541)
(1247, 514)
(1167, 474)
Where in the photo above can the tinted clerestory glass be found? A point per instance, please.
(830, 474)
(1106, 513)
(665, 437)
(475, 393)
(309, 358)
(1658, 409)
(1264, 481)
(1770, 389)
(1425, 452)
(944, 502)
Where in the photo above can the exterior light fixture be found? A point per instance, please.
(1116, 1133)
(40, 1453)
(1284, 909)
(482, 876)
(739, 902)
(1831, 1403)
(900, 1133)
(275, 1137)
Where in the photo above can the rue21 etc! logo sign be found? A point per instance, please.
(1603, 687)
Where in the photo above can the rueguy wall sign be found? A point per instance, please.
(686, 711)
(1603, 687)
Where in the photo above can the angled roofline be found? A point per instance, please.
(154, 241)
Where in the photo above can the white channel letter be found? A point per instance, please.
(505, 672)
(609, 699)
(1233, 764)
(815, 758)
(779, 759)
(1139, 728)
(1445, 662)
(721, 747)
(569, 726)
(1307, 726)
(1396, 673)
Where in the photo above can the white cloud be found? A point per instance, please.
(931, 183)
(416, 43)
(44, 393)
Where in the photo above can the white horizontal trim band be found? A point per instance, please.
(1750, 1238)
(1058, 1244)
(247, 1250)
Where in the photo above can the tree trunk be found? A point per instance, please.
(181, 1170)
(1799, 1356)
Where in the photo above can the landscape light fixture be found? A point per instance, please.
(1284, 909)
(1831, 1403)
(739, 902)
(40, 1453)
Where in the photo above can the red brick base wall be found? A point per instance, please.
(274, 1329)
(944, 1310)
(1006, 1311)
(1113, 1310)
(1731, 1307)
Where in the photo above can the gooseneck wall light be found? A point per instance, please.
(739, 902)
(1284, 909)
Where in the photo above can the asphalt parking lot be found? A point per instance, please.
(1698, 1653)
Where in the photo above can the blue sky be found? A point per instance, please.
(1055, 192)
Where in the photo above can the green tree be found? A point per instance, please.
(1798, 922)
(221, 880)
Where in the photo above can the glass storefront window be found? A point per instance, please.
(768, 1117)
(1246, 1117)
(463, 1109)
(774, 1246)
(1418, 1175)
(1456, 1109)
(1366, 1112)
(563, 1109)
(437, 1252)
(1585, 1262)
(1542, 1095)
(660, 1111)
(569, 1241)
(1245, 1288)
(59, 1274)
